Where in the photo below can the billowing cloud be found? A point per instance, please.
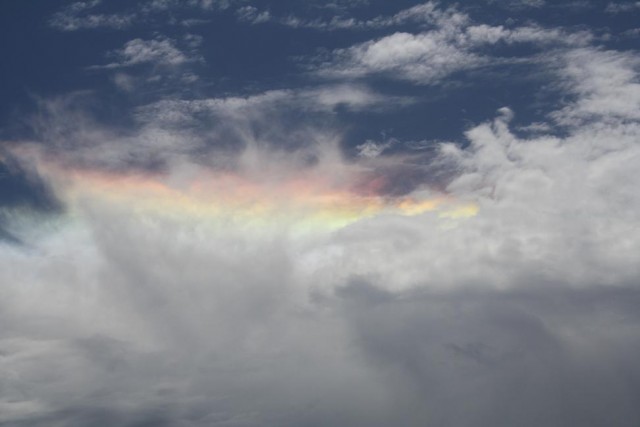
(605, 89)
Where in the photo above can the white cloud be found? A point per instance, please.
(537, 196)
(519, 4)
(422, 14)
(171, 131)
(124, 82)
(532, 3)
(159, 51)
(486, 34)
(74, 17)
(80, 15)
(454, 44)
(155, 6)
(536, 127)
(371, 148)
(139, 51)
(622, 7)
(632, 33)
(253, 15)
(318, 99)
(423, 58)
(63, 125)
(605, 84)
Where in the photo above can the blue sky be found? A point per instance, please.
(244, 49)
(311, 213)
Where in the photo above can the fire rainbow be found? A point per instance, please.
(303, 202)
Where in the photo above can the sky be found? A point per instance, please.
(309, 213)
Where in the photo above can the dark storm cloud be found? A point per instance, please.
(528, 357)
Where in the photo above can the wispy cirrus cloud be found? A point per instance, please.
(78, 16)
(174, 129)
(315, 99)
(116, 22)
(519, 4)
(431, 56)
(423, 14)
(85, 15)
(619, 7)
(161, 51)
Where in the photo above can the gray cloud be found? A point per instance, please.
(507, 357)
(183, 331)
